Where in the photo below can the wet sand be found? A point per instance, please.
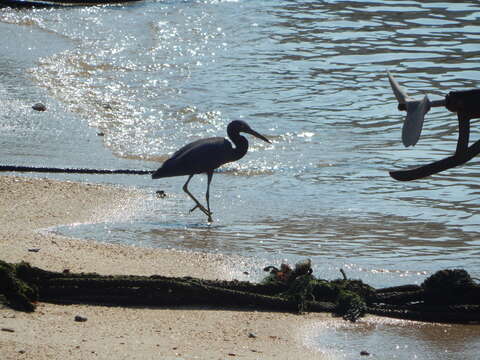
(29, 206)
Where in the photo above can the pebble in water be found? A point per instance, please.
(39, 107)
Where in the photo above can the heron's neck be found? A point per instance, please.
(241, 146)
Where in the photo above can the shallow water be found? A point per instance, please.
(311, 75)
(393, 339)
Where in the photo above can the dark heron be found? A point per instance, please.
(204, 156)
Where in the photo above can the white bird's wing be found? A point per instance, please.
(412, 127)
(416, 110)
(399, 93)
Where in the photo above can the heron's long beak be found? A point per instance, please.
(254, 133)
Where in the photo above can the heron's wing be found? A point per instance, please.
(185, 149)
(197, 157)
(202, 149)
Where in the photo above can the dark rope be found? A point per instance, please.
(14, 168)
(58, 3)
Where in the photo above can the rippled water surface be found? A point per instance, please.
(311, 75)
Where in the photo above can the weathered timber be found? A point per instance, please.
(21, 285)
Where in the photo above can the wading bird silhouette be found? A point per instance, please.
(204, 156)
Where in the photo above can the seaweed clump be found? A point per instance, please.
(448, 287)
(348, 297)
(18, 293)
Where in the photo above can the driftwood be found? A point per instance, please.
(22, 285)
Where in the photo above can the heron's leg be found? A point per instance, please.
(198, 205)
(209, 180)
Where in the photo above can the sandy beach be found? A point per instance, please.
(29, 206)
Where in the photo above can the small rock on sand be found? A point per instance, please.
(80, 318)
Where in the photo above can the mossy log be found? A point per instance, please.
(163, 292)
(397, 297)
(459, 314)
(67, 288)
(19, 294)
(22, 285)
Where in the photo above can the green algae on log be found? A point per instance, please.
(21, 285)
(19, 294)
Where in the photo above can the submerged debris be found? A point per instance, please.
(39, 107)
(160, 194)
(284, 289)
